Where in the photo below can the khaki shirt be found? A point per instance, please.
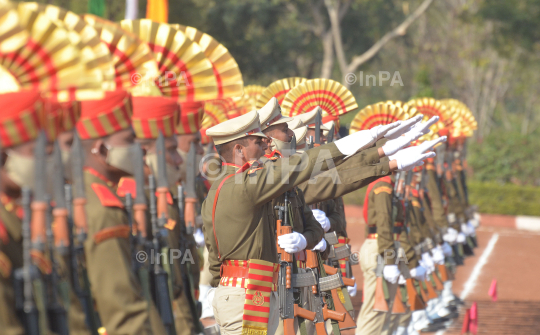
(435, 197)
(355, 172)
(244, 216)
(380, 215)
(115, 288)
(11, 253)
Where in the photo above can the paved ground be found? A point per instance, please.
(512, 259)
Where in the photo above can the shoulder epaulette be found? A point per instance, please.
(5, 265)
(111, 232)
(125, 186)
(251, 167)
(384, 189)
(106, 196)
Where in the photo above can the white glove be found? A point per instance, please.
(465, 229)
(323, 220)
(446, 249)
(461, 238)
(321, 246)
(472, 228)
(450, 236)
(352, 289)
(408, 159)
(391, 273)
(349, 145)
(199, 237)
(403, 127)
(393, 146)
(292, 243)
(423, 128)
(402, 280)
(418, 273)
(381, 130)
(430, 265)
(438, 255)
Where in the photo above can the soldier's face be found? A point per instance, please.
(280, 132)
(255, 148)
(184, 143)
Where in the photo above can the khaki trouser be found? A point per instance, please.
(228, 305)
(371, 322)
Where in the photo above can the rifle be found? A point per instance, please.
(330, 137)
(348, 322)
(194, 305)
(191, 194)
(159, 277)
(318, 120)
(315, 297)
(414, 300)
(55, 311)
(26, 307)
(287, 308)
(77, 213)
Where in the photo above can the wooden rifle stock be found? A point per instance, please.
(443, 272)
(139, 216)
(303, 313)
(380, 304)
(333, 315)
(60, 228)
(79, 215)
(189, 213)
(415, 302)
(37, 227)
(398, 307)
(348, 281)
(162, 202)
(320, 328)
(288, 327)
(285, 256)
(348, 322)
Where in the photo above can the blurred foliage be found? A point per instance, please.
(506, 157)
(491, 198)
(509, 199)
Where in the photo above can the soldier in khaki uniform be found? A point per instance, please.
(115, 287)
(243, 234)
(17, 172)
(152, 115)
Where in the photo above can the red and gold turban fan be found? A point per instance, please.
(278, 89)
(85, 37)
(248, 101)
(184, 71)
(381, 113)
(333, 98)
(228, 76)
(133, 61)
(49, 62)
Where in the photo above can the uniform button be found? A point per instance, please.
(383, 171)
